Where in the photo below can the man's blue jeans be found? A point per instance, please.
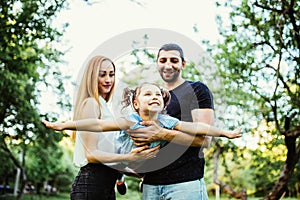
(191, 190)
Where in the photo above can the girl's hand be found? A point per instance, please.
(55, 126)
(234, 134)
(143, 153)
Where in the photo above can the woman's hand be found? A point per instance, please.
(55, 126)
(143, 153)
(234, 134)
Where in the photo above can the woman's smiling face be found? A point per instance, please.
(106, 78)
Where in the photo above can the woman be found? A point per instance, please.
(96, 180)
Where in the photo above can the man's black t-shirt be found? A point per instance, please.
(177, 163)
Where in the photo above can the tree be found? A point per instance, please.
(259, 59)
(29, 61)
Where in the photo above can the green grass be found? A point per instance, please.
(130, 195)
(62, 196)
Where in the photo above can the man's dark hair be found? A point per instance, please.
(170, 47)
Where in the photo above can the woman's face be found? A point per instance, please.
(106, 78)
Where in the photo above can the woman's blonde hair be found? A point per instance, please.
(88, 87)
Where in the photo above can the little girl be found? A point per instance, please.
(149, 102)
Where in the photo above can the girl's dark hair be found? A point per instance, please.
(129, 95)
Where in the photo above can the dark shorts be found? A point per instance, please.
(94, 181)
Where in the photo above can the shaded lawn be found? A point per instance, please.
(130, 195)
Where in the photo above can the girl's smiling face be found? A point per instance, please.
(149, 99)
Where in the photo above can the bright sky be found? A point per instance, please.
(90, 25)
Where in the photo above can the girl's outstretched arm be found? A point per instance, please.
(91, 124)
(198, 128)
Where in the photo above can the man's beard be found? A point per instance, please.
(170, 79)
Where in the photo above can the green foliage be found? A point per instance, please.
(6, 178)
(57, 169)
(259, 61)
(233, 167)
(29, 63)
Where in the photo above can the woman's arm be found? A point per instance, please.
(90, 124)
(199, 128)
(139, 153)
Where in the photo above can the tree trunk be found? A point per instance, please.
(226, 188)
(287, 171)
(23, 183)
(23, 175)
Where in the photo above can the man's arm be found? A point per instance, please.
(204, 116)
(199, 115)
(153, 132)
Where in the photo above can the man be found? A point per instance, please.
(182, 177)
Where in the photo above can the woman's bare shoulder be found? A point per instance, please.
(90, 108)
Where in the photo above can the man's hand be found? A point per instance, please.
(142, 136)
